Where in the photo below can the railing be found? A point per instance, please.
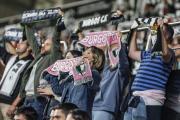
(149, 37)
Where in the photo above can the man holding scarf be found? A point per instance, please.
(44, 57)
(148, 88)
(12, 77)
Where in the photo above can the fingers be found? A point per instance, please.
(9, 112)
(60, 12)
(119, 12)
(119, 34)
(160, 22)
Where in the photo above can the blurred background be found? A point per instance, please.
(77, 10)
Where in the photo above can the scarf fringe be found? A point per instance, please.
(84, 80)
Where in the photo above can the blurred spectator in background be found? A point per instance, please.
(25, 113)
(62, 110)
(78, 115)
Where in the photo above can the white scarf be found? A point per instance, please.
(11, 76)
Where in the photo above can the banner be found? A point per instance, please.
(114, 46)
(101, 21)
(15, 34)
(62, 65)
(95, 39)
(39, 15)
(78, 66)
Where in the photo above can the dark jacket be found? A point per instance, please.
(81, 95)
(45, 62)
(112, 85)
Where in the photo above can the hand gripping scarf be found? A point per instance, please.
(101, 21)
(78, 66)
(101, 39)
(155, 34)
(176, 31)
(15, 34)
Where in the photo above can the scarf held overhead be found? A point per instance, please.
(15, 34)
(101, 39)
(155, 34)
(101, 21)
(39, 15)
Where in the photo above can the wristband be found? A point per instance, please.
(13, 105)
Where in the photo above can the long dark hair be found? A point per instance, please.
(76, 53)
(99, 59)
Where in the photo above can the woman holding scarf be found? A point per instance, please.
(82, 95)
(114, 80)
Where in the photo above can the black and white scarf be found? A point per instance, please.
(11, 75)
(15, 34)
(101, 21)
(155, 34)
(31, 17)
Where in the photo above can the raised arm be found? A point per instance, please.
(133, 52)
(4, 55)
(124, 68)
(167, 55)
(32, 41)
(56, 53)
(11, 48)
(80, 36)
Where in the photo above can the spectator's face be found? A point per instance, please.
(88, 54)
(19, 117)
(59, 115)
(69, 117)
(21, 47)
(52, 114)
(46, 47)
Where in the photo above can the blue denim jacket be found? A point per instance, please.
(112, 86)
(82, 95)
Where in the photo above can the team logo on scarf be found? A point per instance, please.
(82, 72)
(78, 66)
(114, 51)
(81, 68)
(155, 32)
(101, 39)
(114, 47)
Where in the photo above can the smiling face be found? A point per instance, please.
(46, 47)
(88, 54)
